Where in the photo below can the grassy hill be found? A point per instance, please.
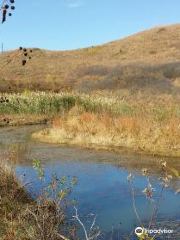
(144, 64)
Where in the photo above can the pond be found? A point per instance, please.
(102, 186)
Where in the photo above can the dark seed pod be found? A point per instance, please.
(13, 7)
(10, 14)
(12, 1)
(20, 48)
(6, 6)
(24, 49)
(23, 62)
(25, 54)
(29, 57)
(31, 50)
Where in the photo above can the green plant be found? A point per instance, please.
(145, 236)
(39, 168)
(165, 180)
(47, 216)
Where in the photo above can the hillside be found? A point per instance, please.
(144, 63)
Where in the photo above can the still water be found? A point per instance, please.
(102, 186)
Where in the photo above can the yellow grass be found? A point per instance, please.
(142, 65)
(139, 133)
(22, 119)
(13, 201)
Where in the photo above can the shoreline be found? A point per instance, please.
(14, 199)
(98, 122)
(47, 136)
(22, 120)
(40, 136)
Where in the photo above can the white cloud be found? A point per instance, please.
(74, 4)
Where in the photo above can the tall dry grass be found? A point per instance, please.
(24, 218)
(144, 133)
(13, 199)
(55, 103)
(151, 126)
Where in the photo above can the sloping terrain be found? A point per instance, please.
(147, 63)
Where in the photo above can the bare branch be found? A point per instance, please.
(92, 235)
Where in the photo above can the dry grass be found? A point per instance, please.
(143, 65)
(140, 133)
(22, 119)
(13, 201)
(41, 107)
(23, 218)
(149, 126)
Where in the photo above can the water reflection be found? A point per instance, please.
(102, 180)
(104, 190)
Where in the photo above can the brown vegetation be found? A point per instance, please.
(21, 217)
(22, 119)
(145, 64)
(143, 133)
(13, 199)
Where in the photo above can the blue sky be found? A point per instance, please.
(70, 24)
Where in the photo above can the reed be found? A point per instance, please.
(55, 103)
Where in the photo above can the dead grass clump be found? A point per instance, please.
(129, 124)
(57, 122)
(156, 132)
(21, 217)
(87, 117)
(13, 200)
